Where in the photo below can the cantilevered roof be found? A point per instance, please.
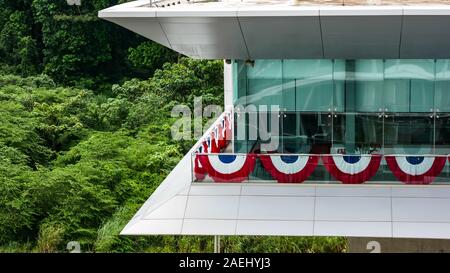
(278, 29)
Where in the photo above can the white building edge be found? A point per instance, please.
(233, 31)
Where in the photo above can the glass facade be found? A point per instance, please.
(350, 106)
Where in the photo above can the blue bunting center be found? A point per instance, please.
(351, 159)
(415, 160)
(227, 158)
(289, 159)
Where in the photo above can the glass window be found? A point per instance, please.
(396, 95)
(442, 91)
(264, 69)
(406, 82)
(314, 95)
(357, 133)
(240, 83)
(264, 92)
(288, 95)
(339, 85)
(265, 83)
(316, 128)
(442, 133)
(356, 91)
(313, 84)
(422, 96)
(369, 85)
(408, 134)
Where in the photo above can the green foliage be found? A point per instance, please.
(72, 45)
(17, 47)
(282, 244)
(79, 154)
(50, 238)
(149, 56)
(188, 78)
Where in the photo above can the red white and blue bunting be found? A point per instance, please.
(415, 169)
(227, 125)
(199, 171)
(349, 169)
(228, 167)
(289, 168)
(352, 169)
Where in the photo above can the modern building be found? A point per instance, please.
(363, 127)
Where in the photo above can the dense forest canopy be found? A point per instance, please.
(85, 131)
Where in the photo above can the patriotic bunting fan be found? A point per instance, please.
(227, 167)
(199, 171)
(289, 168)
(352, 169)
(213, 143)
(415, 169)
(222, 141)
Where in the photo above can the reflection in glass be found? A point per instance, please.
(408, 134)
(357, 134)
(351, 106)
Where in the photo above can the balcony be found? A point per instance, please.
(213, 161)
(268, 195)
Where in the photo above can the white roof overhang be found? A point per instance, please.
(291, 32)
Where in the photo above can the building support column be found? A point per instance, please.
(216, 243)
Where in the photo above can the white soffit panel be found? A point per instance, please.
(148, 27)
(288, 37)
(208, 227)
(426, 35)
(211, 189)
(204, 32)
(221, 31)
(353, 209)
(350, 190)
(353, 229)
(212, 207)
(421, 230)
(172, 209)
(264, 227)
(276, 208)
(146, 227)
(299, 210)
(361, 36)
(436, 191)
(421, 209)
(278, 190)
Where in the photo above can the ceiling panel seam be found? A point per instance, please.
(185, 209)
(401, 34)
(238, 210)
(160, 25)
(242, 33)
(321, 35)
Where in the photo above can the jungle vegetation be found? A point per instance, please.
(85, 132)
